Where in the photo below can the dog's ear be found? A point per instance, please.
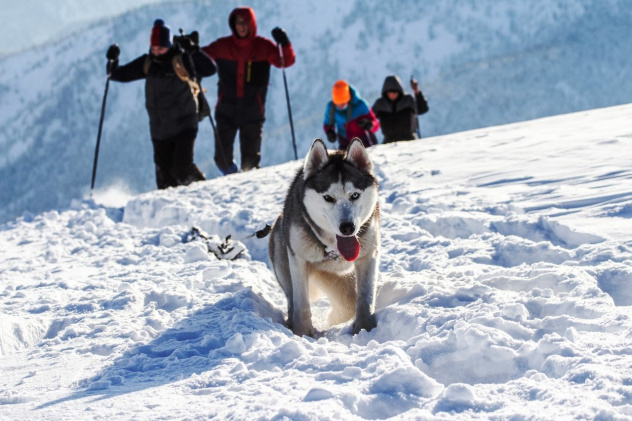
(316, 158)
(358, 157)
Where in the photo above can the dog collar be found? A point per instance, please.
(332, 254)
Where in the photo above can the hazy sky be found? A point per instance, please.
(28, 23)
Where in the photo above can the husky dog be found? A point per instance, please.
(328, 238)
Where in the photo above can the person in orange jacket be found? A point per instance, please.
(348, 115)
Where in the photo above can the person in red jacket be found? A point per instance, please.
(243, 62)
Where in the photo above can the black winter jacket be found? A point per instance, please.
(170, 104)
(398, 119)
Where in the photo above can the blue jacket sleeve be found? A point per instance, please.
(328, 120)
(360, 108)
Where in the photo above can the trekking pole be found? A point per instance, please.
(369, 139)
(96, 152)
(417, 130)
(218, 140)
(287, 98)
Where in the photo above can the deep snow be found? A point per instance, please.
(480, 63)
(505, 292)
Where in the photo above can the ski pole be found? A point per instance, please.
(96, 152)
(369, 139)
(287, 98)
(218, 140)
(418, 130)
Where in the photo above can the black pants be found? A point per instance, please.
(249, 143)
(391, 139)
(174, 160)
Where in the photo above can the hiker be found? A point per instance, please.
(398, 111)
(243, 65)
(348, 115)
(171, 99)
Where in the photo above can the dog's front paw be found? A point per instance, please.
(304, 331)
(303, 327)
(367, 323)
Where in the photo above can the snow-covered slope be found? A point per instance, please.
(480, 63)
(505, 292)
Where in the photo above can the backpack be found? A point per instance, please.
(371, 138)
(201, 104)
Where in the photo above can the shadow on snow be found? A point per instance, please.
(197, 344)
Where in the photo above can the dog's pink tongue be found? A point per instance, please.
(349, 247)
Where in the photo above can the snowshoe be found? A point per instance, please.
(223, 250)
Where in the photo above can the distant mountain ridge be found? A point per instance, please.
(479, 64)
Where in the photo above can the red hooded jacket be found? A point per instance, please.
(243, 69)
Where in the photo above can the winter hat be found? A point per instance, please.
(160, 34)
(340, 93)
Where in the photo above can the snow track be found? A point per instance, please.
(491, 303)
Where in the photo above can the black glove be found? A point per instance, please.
(414, 85)
(112, 66)
(365, 124)
(280, 37)
(113, 52)
(112, 56)
(195, 38)
(331, 135)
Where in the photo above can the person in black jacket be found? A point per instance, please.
(172, 98)
(397, 110)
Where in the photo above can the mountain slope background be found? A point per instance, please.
(479, 63)
(49, 21)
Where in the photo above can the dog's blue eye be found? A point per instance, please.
(329, 199)
(354, 196)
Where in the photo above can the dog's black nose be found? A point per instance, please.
(347, 228)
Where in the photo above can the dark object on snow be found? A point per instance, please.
(398, 117)
(228, 249)
(223, 250)
(262, 233)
